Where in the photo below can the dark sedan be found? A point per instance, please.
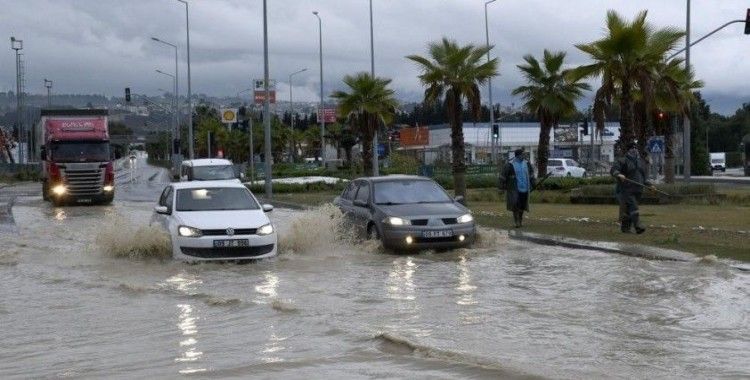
(407, 212)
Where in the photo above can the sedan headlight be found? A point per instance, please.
(189, 231)
(394, 221)
(466, 218)
(265, 230)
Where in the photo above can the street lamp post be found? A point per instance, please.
(291, 112)
(17, 45)
(48, 85)
(191, 144)
(375, 164)
(321, 113)
(266, 107)
(493, 155)
(686, 159)
(176, 133)
(175, 124)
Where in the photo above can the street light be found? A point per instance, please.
(190, 94)
(375, 164)
(266, 107)
(493, 155)
(291, 111)
(175, 118)
(321, 113)
(686, 160)
(17, 45)
(176, 89)
(48, 85)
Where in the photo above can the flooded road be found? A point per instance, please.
(86, 294)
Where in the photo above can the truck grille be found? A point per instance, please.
(83, 181)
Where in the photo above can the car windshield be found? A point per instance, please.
(79, 151)
(215, 172)
(215, 198)
(405, 192)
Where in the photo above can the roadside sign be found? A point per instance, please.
(259, 91)
(329, 115)
(228, 115)
(656, 145)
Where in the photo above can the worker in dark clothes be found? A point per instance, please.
(632, 176)
(517, 178)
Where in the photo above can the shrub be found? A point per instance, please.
(401, 163)
(259, 188)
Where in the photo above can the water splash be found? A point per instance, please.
(284, 306)
(320, 230)
(121, 238)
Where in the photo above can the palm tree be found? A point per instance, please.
(453, 74)
(370, 101)
(550, 94)
(625, 59)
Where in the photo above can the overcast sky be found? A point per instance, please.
(102, 46)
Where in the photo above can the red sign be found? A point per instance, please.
(76, 128)
(329, 115)
(414, 136)
(260, 96)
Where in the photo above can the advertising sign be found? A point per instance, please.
(228, 115)
(566, 133)
(259, 91)
(416, 136)
(329, 115)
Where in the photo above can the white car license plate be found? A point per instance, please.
(437, 234)
(84, 200)
(231, 243)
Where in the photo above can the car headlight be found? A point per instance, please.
(466, 218)
(394, 221)
(59, 190)
(265, 230)
(189, 231)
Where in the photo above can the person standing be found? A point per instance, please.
(631, 173)
(518, 179)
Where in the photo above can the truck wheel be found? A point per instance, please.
(45, 190)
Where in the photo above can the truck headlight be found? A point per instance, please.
(59, 190)
(265, 230)
(109, 188)
(189, 231)
(466, 218)
(394, 221)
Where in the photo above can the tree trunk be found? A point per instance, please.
(626, 118)
(367, 137)
(669, 153)
(543, 154)
(457, 144)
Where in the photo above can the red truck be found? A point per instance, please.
(77, 164)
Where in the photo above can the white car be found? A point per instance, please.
(209, 169)
(564, 167)
(215, 220)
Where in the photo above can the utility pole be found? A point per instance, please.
(17, 45)
(321, 112)
(493, 154)
(375, 163)
(686, 160)
(266, 106)
(48, 84)
(190, 93)
(292, 152)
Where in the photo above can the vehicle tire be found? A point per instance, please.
(45, 190)
(372, 232)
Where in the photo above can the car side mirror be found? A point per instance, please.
(460, 199)
(163, 210)
(267, 207)
(359, 203)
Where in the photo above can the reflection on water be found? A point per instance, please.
(465, 287)
(400, 284)
(60, 214)
(186, 323)
(268, 288)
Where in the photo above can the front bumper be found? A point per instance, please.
(202, 248)
(396, 237)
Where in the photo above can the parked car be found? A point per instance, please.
(215, 220)
(209, 169)
(407, 212)
(564, 167)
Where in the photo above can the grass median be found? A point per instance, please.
(721, 229)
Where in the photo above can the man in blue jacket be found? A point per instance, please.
(518, 179)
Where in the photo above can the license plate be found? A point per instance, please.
(232, 243)
(437, 234)
(84, 200)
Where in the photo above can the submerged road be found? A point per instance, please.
(87, 293)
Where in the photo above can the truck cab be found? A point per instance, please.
(77, 165)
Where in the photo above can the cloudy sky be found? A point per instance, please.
(102, 46)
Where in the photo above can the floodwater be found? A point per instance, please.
(87, 293)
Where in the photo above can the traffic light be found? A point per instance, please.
(747, 22)
(127, 94)
(495, 131)
(585, 127)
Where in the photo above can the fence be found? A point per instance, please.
(12, 169)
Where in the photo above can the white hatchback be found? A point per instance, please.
(564, 167)
(215, 220)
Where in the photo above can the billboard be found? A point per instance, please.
(567, 133)
(329, 115)
(414, 136)
(259, 91)
(228, 115)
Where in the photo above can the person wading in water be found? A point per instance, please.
(517, 178)
(632, 176)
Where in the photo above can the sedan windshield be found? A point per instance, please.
(79, 151)
(209, 173)
(215, 198)
(405, 192)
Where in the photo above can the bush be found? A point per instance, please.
(401, 163)
(282, 188)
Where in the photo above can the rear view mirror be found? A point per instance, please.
(460, 199)
(267, 207)
(163, 210)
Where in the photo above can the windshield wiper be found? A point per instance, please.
(421, 202)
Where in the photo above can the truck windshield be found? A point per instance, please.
(79, 151)
(215, 172)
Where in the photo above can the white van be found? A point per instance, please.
(209, 169)
(719, 161)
